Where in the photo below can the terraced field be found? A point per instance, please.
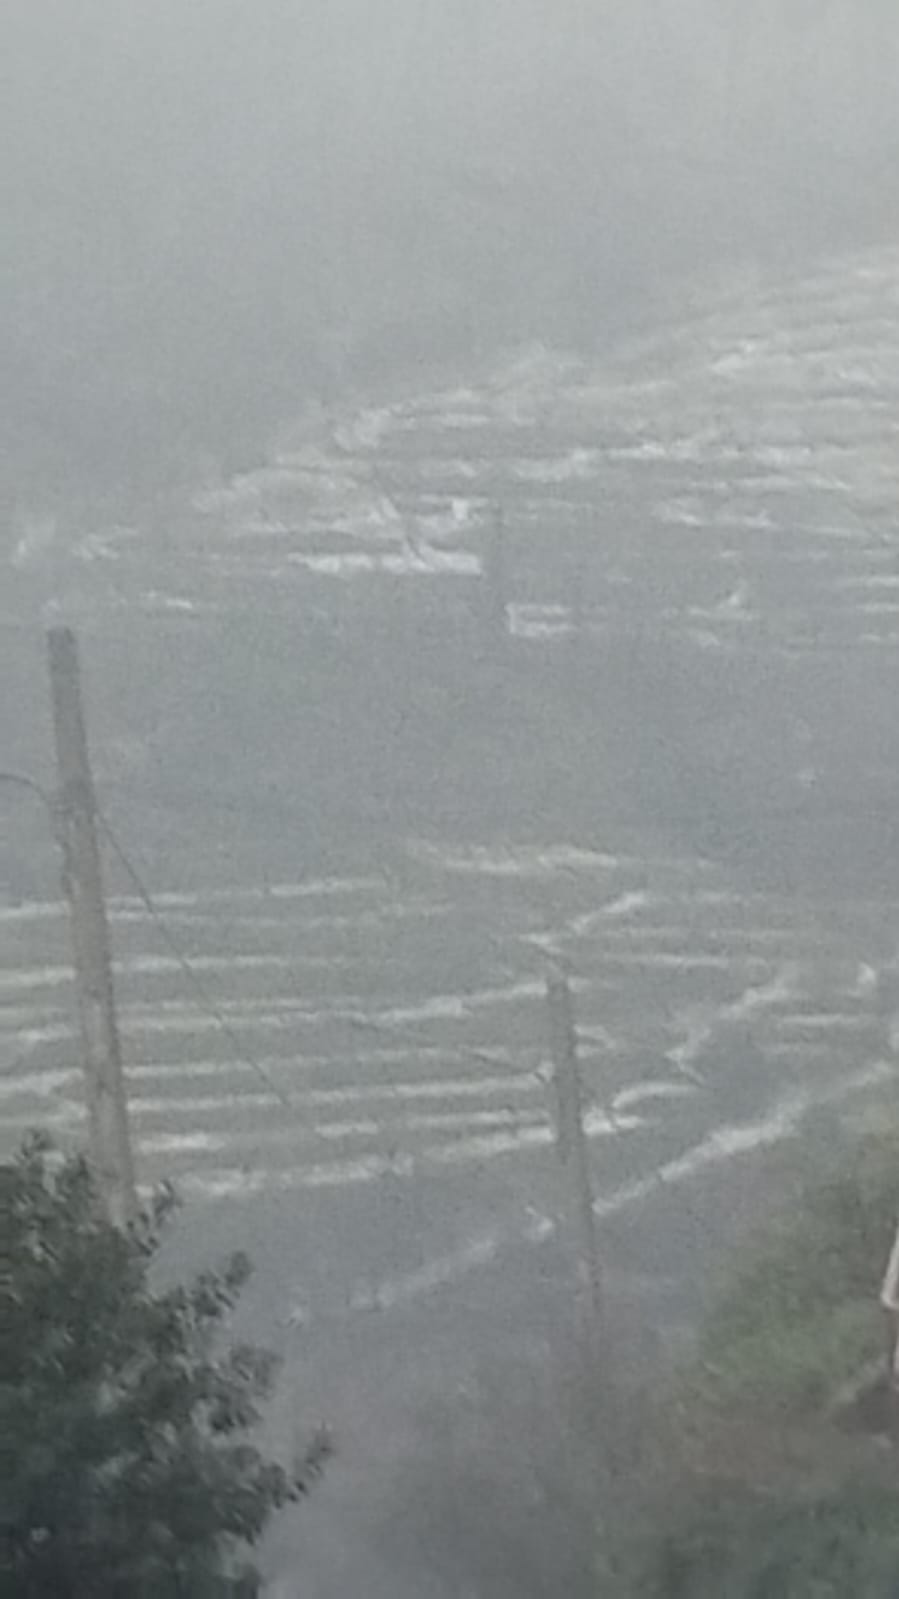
(731, 483)
(729, 489)
(328, 1036)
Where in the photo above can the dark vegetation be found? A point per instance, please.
(766, 1467)
(129, 1468)
(775, 1463)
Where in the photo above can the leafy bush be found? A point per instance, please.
(128, 1469)
(774, 1485)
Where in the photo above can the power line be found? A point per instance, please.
(201, 993)
(366, 1026)
(19, 780)
(485, 1057)
(358, 1024)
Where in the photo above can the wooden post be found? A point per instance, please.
(110, 1149)
(572, 1146)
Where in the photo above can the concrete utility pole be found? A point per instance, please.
(110, 1148)
(572, 1146)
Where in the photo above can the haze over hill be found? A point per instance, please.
(214, 214)
(710, 505)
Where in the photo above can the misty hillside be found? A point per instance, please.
(710, 507)
(673, 771)
(212, 217)
(732, 479)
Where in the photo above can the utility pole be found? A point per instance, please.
(579, 596)
(889, 1299)
(598, 1397)
(495, 575)
(110, 1147)
(572, 1148)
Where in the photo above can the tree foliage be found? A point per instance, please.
(800, 1313)
(756, 1546)
(129, 1468)
(781, 1475)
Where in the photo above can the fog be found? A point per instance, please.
(460, 433)
(212, 212)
